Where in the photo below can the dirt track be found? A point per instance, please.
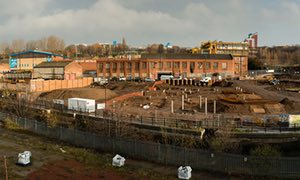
(267, 94)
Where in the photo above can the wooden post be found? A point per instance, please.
(5, 167)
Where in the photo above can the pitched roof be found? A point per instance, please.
(188, 56)
(53, 64)
(35, 52)
(88, 66)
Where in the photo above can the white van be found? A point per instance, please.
(166, 77)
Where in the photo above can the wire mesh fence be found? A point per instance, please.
(168, 154)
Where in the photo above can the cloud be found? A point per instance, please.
(142, 22)
(21, 7)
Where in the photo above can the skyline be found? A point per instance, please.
(142, 22)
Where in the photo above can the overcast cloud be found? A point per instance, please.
(142, 22)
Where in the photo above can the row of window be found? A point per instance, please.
(161, 65)
(27, 65)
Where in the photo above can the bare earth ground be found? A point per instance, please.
(49, 162)
(257, 96)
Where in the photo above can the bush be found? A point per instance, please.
(265, 151)
(10, 124)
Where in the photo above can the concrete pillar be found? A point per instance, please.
(182, 102)
(205, 106)
(200, 102)
(215, 107)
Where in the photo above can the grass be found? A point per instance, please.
(44, 149)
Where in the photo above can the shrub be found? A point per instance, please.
(10, 124)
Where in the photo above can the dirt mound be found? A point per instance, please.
(88, 93)
(71, 169)
(287, 101)
(290, 105)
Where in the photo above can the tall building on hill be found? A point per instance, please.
(252, 40)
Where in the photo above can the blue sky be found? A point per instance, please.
(142, 22)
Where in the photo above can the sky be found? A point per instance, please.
(142, 22)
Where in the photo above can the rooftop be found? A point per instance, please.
(188, 56)
(36, 52)
(53, 64)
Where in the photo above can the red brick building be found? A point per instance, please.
(67, 70)
(185, 65)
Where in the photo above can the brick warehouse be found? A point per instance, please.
(185, 65)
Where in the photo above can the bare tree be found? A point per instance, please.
(18, 45)
(55, 44)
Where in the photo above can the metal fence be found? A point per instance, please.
(167, 154)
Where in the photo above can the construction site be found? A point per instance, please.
(238, 98)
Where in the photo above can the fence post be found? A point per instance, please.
(185, 155)
(60, 132)
(25, 122)
(141, 119)
(280, 127)
(35, 125)
(158, 147)
(94, 145)
(135, 153)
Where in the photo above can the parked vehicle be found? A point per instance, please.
(122, 78)
(147, 79)
(166, 77)
(137, 79)
(114, 79)
(205, 81)
(129, 78)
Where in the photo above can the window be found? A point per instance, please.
(160, 65)
(100, 67)
(224, 66)
(215, 65)
(114, 67)
(207, 65)
(144, 65)
(200, 65)
(129, 66)
(169, 65)
(176, 64)
(152, 65)
(184, 65)
(122, 67)
(192, 67)
(137, 66)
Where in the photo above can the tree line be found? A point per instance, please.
(57, 45)
(279, 55)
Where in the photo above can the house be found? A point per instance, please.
(68, 70)
(4, 67)
(29, 59)
(89, 67)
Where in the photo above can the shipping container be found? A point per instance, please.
(82, 105)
